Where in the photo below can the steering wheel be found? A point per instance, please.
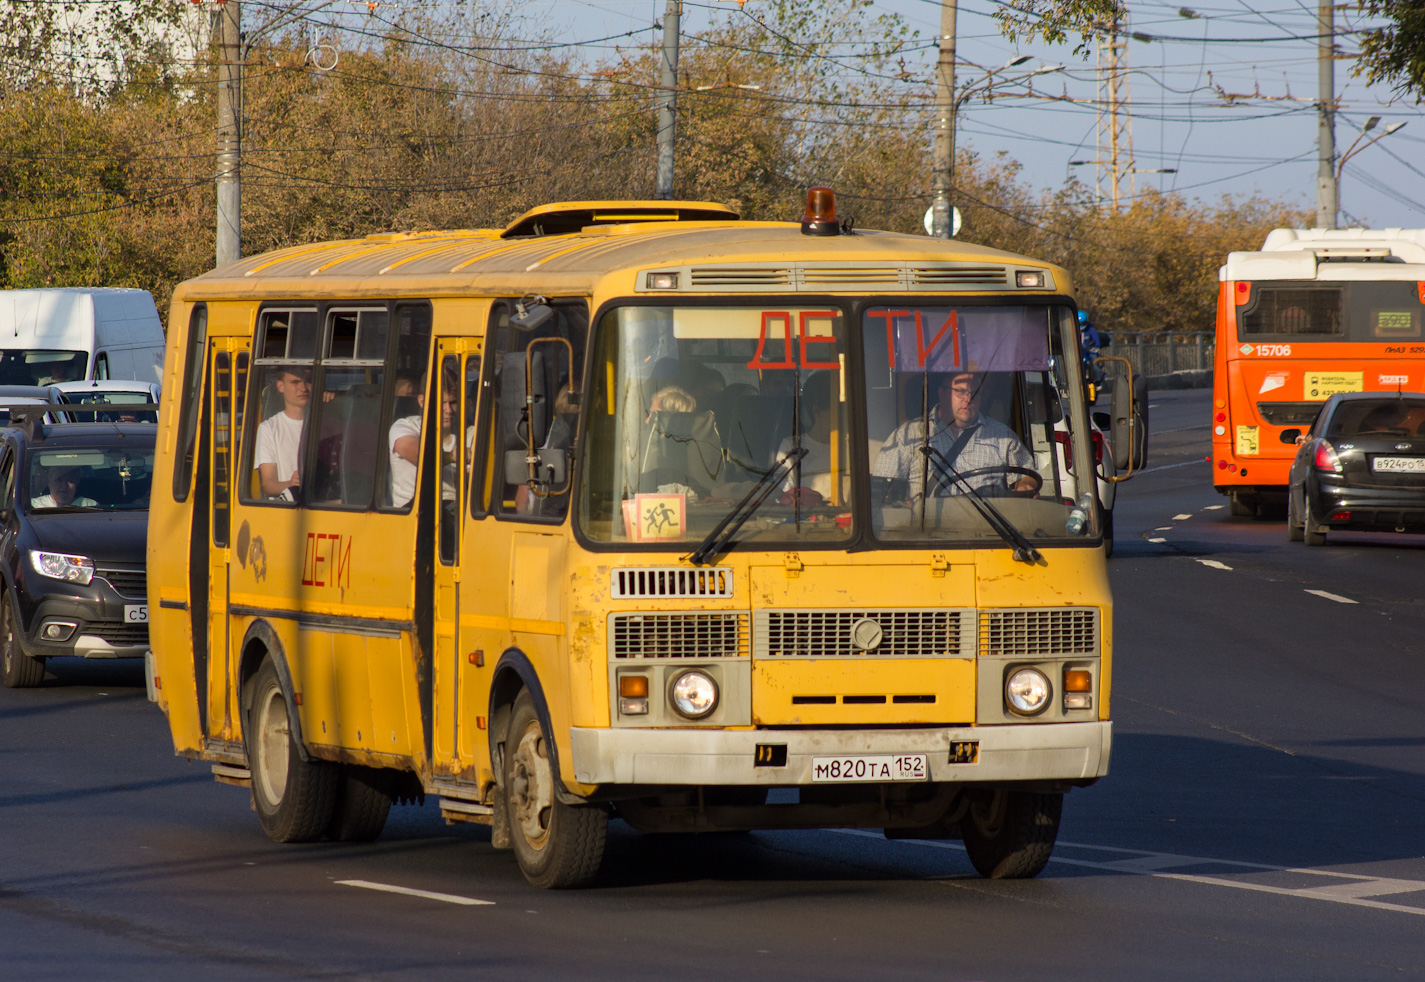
(1008, 470)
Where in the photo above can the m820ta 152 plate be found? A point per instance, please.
(856, 768)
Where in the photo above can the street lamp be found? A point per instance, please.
(1353, 149)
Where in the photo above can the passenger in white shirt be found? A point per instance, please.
(279, 437)
(404, 439)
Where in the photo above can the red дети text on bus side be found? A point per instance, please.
(327, 560)
(805, 339)
(922, 350)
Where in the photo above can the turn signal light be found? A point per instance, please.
(820, 216)
(1078, 680)
(633, 686)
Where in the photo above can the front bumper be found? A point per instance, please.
(100, 629)
(690, 758)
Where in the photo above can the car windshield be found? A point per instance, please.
(41, 366)
(90, 478)
(734, 425)
(116, 407)
(1386, 416)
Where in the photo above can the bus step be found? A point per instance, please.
(239, 777)
(453, 810)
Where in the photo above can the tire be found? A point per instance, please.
(20, 670)
(1009, 835)
(362, 804)
(1293, 527)
(1311, 533)
(557, 845)
(295, 800)
(1240, 505)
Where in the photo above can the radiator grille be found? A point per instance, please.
(671, 581)
(701, 635)
(1039, 633)
(732, 276)
(935, 633)
(126, 582)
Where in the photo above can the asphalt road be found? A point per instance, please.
(1262, 818)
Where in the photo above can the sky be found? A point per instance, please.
(1221, 93)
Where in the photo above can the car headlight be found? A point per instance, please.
(694, 694)
(1027, 691)
(58, 566)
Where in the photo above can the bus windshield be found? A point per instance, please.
(701, 416)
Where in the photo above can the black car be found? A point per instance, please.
(1361, 466)
(73, 518)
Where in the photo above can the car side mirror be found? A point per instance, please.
(1290, 436)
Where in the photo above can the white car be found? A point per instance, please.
(114, 395)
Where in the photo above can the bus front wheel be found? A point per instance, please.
(1009, 835)
(557, 845)
(294, 798)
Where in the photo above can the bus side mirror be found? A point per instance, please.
(1128, 422)
(1290, 436)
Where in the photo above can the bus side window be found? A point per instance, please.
(405, 407)
(348, 416)
(281, 380)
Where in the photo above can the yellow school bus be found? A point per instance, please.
(712, 525)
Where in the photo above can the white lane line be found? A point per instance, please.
(1168, 467)
(1213, 507)
(448, 898)
(1163, 528)
(1181, 518)
(1215, 564)
(1353, 889)
(1332, 596)
(1158, 540)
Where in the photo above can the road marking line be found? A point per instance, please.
(1163, 528)
(1213, 507)
(1157, 540)
(1181, 518)
(448, 898)
(1355, 889)
(1168, 467)
(1215, 564)
(1332, 596)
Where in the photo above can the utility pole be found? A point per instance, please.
(1115, 119)
(668, 98)
(229, 132)
(942, 159)
(1326, 130)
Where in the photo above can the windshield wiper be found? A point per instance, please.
(1024, 550)
(724, 530)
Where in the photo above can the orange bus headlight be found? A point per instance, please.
(1078, 684)
(633, 695)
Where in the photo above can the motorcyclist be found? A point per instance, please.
(1090, 341)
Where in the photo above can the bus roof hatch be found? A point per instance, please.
(568, 217)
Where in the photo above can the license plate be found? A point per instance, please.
(869, 767)
(136, 613)
(1398, 465)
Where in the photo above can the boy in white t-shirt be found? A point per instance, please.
(279, 437)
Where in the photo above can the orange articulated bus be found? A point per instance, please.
(1315, 312)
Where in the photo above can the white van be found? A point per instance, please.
(72, 333)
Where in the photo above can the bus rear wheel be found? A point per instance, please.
(1009, 835)
(20, 670)
(557, 845)
(363, 804)
(295, 799)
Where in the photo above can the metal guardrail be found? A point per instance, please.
(1152, 354)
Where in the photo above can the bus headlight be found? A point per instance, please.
(694, 694)
(1027, 690)
(70, 569)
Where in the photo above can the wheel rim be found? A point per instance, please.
(272, 742)
(532, 787)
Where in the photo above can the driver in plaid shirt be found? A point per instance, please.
(957, 412)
